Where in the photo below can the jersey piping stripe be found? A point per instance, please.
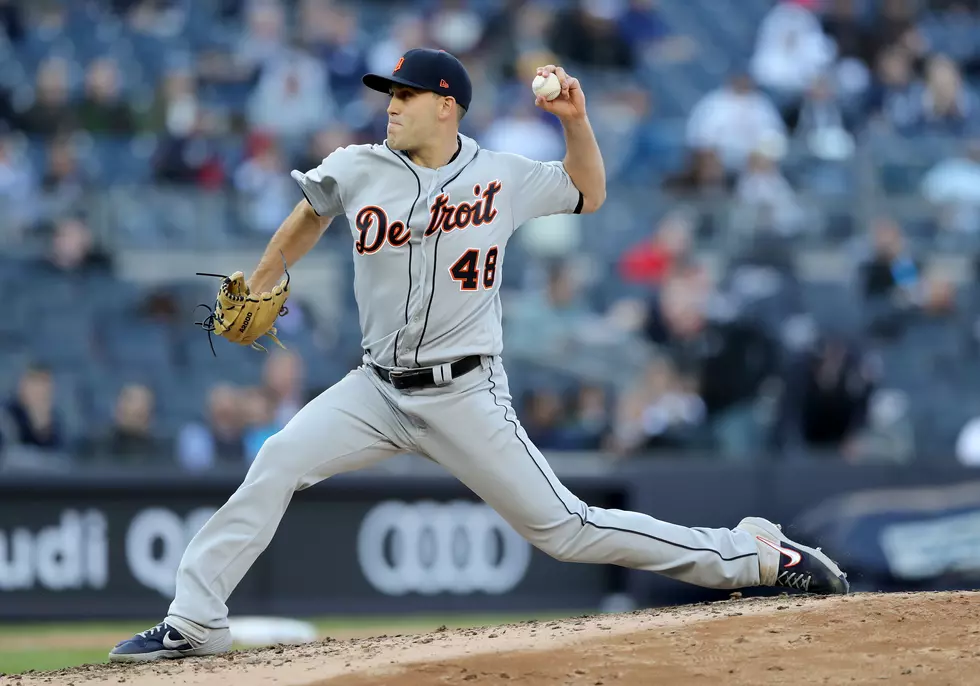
(408, 293)
(435, 259)
(584, 520)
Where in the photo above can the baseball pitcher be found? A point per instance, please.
(431, 214)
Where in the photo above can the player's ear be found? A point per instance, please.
(446, 108)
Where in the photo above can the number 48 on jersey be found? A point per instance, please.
(467, 269)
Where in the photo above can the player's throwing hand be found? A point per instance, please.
(570, 103)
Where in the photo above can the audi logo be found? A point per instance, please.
(428, 548)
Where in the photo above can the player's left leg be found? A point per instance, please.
(475, 434)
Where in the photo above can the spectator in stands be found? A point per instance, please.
(456, 27)
(219, 441)
(521, 129)
(264, 40)
(187, 154)
(703, 177)
(572, 421)
(891, 98)
(827, 398)
(791, 50)
(18, 190)
(948, 106)
(824, 127)
(74, 251)
(260, 420)
(131, 439)
(292, 97)
(407, 31)
(894, 285)
(853, 39)
(30, 419)
(953, 187)
(896, 25)
(589, 422)
(653, 261)
(889, 433)
(820, 115)
(551, 320)
(650, 37)
(589, 34)
(514, 30)
(159, 18)
(542, 418)
(176, 93)
(65, 183)
(283, 380)
(332, 33)
(103, 108)
(51, 112)
(734, 120)
(765, 197)
(661, 412)
(729, 357)
(891, 270)
(12, 20)
(266, 192)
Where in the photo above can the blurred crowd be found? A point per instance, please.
(750, 139)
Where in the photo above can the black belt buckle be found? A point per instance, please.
(403, 378)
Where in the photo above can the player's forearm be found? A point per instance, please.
(295, 237)
(583, 162)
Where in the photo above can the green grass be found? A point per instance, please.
(42, 660)
(47, 657)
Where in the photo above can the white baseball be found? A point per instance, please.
(548, 87)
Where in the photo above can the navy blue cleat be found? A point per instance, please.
(163, 642)
(788, 564)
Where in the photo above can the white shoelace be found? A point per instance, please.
(799, 581)
(158, 628)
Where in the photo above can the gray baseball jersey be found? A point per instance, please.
(429, 244)
(428, 251)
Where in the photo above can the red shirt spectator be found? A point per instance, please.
(652, 261)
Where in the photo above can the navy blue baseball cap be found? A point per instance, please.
(427, 70)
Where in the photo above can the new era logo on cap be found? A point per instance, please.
(428, 70)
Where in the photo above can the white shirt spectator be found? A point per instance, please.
(956, 180)
(968, 444)
(18, 193)
(526, 135)
(791, 49)
(267, 191)
(764, 189)
(954, 184)
(291, 97)
(406, 33)
(734, 120)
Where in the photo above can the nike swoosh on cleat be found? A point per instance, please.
(174, 645)
(795, 557)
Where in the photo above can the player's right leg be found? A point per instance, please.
(348, 427)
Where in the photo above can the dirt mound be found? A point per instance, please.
(908, 638)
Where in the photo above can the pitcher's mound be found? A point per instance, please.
(904, 638)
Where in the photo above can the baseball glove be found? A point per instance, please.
(243, 317)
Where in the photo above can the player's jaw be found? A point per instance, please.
(397, 134)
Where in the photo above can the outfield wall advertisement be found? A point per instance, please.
(109, 546)
(114, 552)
